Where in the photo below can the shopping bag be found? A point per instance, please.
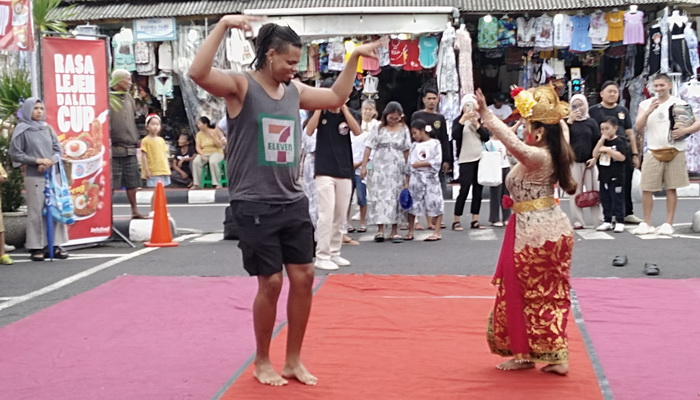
(58, 201)
(636, 186)
(490, 173)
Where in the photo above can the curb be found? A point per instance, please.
(176, 196)
(138, 230)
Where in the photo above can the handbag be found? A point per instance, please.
(58, 199)
(490, 172)
(680, 116)
(590, 198)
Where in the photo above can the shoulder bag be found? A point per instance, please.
(589, 198)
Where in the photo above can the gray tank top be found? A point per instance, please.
(263, 149)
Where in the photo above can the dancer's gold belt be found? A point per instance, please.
(534, 205)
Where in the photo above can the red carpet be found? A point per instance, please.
(646, 334)
(133, 338)
(412, 337)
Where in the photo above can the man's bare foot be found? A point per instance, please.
(266, 375)
(300, 373)
(512, 365)
(138, 216)
(559, 369)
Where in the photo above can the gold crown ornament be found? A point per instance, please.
(540, 104)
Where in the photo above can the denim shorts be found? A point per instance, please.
(361, 190)
(153, 181)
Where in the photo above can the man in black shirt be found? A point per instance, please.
(334, 174)
(438, 125)
(608, 107)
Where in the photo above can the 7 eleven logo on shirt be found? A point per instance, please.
(277, 145)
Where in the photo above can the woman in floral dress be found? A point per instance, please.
(529, 319)
(389, 144)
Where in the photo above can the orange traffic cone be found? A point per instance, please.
(160, 233)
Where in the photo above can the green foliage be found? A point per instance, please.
(48, 15)
(14, 88)
(12, 197)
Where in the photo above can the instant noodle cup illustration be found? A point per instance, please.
(87, 196)
(84, 167)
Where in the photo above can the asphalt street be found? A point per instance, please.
(27, 287)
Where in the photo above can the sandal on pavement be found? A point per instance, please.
(6, 260)
(457, 226)
(619, 261)
(351, 229)
(475, 225)
(432, 238)
(396, 239)
(37, 255)
(57, 253)
(379, 237)
(651, 269)
(362, 229)
(408, 236)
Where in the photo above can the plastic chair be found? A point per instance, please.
(222, 179)
(206, 176)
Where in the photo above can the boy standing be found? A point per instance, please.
(610, 152)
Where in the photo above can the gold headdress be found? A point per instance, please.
(540, 104)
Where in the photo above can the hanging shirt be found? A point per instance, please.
(165, 57)
(616, 26)
(371, 64)
(312, 66)
(303, 65)
(336, 56)
(525, 31)
(397, 52)
(487, 37)
(370, 84)
(580, 41)
(634, 28)
(506, 32)
(544, 39)
(323, 58)
(123, 46)
(563, 30)
(384, 58)
(428, 51)
(598, 31)
(412, 62)
(145, 58)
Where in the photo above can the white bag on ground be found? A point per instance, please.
(490, 173)
(636, 189)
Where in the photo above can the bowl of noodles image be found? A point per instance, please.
(87, 195)
(83, 153)
(83, 167)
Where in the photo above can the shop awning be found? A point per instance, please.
(109, 10)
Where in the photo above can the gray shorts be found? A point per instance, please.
(125, 172)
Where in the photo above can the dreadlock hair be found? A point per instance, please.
(562, 155)
(276, 37)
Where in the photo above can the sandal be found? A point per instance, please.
(457, 226)
(619, 261)
(58, 253)
(379, 237)
(351, 229)
(362, 229)
(396, 239)
(6, 260)
(432, 238)
(37, 255)
(475, 225)
(408, 236)
(651, 269)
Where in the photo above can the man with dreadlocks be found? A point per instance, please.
(267, 200)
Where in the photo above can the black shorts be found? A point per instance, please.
(272, 235)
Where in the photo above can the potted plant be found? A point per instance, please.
(14, 88)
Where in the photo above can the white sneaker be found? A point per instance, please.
(643, 229)
(605, 226)
(9, 247)
(666, 229)
(633, 219)
(326, 265)
(340, 261)
(619, 227)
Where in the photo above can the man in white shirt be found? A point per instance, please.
(665, 162)
(499, 107)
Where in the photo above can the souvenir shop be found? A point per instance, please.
(578, 50)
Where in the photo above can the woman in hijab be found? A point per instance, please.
(584, 133)
(35, 145)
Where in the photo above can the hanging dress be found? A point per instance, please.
(580, 41)
(447, 64)
(616, 26)
(562, 31)
(634, 28)
(428, 51)
(466, 75)
(544, 38)
(598, 31)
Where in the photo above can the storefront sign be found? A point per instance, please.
(16, 25)
(155, 30)
(77, 104)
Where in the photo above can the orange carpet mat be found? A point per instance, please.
(411, 337)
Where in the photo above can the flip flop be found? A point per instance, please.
(379, 237)
(619, 261)
(651, 269)
(351, 229)
(362, 229)
(396, 239)
(408, 236)
(432, 238)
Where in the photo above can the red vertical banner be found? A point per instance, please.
(16, 25)
(76, 97)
